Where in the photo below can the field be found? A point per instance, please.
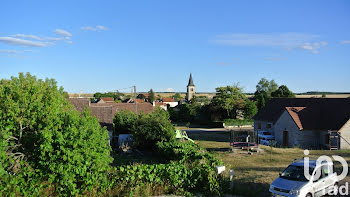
(253, 174)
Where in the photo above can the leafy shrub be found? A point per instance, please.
(44, 140)
(186, 152)
(124, 121)
(152, 128)
(176, 177)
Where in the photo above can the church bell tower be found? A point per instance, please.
(191, 89)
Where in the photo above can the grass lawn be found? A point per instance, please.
(254, 173)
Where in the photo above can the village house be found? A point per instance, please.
(160, 104)
(105, 111)
(313, 123)
(106, 100)
(170, 101)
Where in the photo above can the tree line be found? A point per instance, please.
(229, 102)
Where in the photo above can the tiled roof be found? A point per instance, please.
(80, 103)
(107, 99)
(294, 113)
(105, 112)
(144, 107)
(159, 103)
(140, 101)
(308, 113)
(168, 100)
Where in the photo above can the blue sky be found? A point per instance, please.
(94, 46)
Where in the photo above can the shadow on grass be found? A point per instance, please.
(218, 149)
(215, 136)
(242, 188)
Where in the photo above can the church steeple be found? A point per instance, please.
(190, 89)
(190, 81)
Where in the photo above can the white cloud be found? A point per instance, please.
(27, 36)
(313, 47)
(21, 42)
(96, 28)
(345, 42)
(33, 37)
(34, 41)
(284, 40)
(62, 32)
(102, 28)
(88, 28)
(170, 90)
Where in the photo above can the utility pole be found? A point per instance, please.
(135, 100)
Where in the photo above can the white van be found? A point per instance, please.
(293, 183)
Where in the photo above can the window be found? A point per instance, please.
(268, 126)
(325, 171)
(191, 89)
(259, 125)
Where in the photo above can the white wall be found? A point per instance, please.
(345, 133)
(172, 104)
(285, 122)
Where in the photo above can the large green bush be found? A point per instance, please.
(124, 121)
(44, 140)
(152, 128)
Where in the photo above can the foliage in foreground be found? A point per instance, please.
(44, 142)
(189, 169)
(147, 129)
(124, 121)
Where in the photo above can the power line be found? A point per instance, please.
(117, 90)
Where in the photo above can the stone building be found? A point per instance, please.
(313, 123)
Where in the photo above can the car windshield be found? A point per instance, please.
(295, 173)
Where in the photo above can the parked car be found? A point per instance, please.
(267, 135)
(293, 183)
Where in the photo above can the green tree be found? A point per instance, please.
(65, 94)
(283, 92)
(229, 98)
(177, 96)
(264, 88)
(152, 128)
(45, 139)
(267, 86)
(151, 96)
(184, 113)
(324, 95)
(250, 109)
(115, 95)
(123, 122)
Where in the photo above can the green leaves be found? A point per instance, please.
(187, 169)
(147, 129)
(56, 143)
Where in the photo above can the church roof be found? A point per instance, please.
(190, 81)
